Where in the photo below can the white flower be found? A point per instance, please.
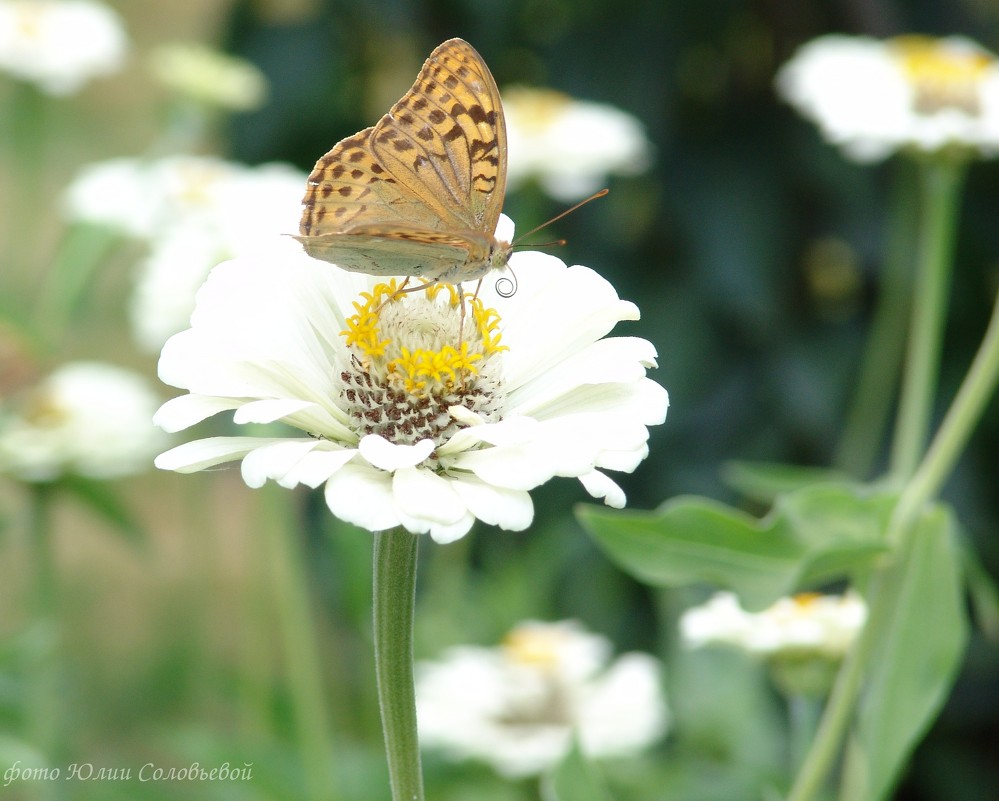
(86, 418)
(874, 97)
(142, 198)
(60, 44)
(809, 623)
(570, 146)
(194, 212)
(520, 705)
(414, 423)
(208, 76)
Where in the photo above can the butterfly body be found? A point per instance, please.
(419, 193)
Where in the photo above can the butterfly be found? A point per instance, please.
(420, 193)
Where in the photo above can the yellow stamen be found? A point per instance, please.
(942, 74)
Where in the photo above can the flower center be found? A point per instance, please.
(944, 75)
(537, 647)
(537, 109)
(414, 355)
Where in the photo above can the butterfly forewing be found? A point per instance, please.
(421, 192)
(446, 138)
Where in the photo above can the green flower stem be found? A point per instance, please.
(82, 251)
(804, 713)
(394, 603)
(291, 582)
(26, 140)
(964, 413)
(940, 182)
(836, 718)
(45, 700)
(962, 416)
(881, 361)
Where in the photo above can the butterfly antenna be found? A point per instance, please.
(557, 217)
(552, 244)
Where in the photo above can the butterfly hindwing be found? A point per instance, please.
(395, 250)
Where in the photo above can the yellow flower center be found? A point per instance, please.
(943, 74)
(536, 109)
(538, 647)
(414, 356)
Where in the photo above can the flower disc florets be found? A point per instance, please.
(414, 356)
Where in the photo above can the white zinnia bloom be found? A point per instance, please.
(570, 146)
(873, 98)
(401, 426)
(194, 212)
(809, 623)
(86, 418)
(520, 706)
(60, 44)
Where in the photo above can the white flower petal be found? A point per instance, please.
(428, 503)
(269, 410)
(204, 453)
(509, 509)
(185, 411)
(318, 465)
(274, 461)
(389, 456)
(600, 486)
(362, 495)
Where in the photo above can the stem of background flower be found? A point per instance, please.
(291, 594)
(394, 604)
(804, 713)
(82, 250)
(940, 183)
(46, 701)
(826, 746)
(863, 431)
(26, 139)
(962, 416)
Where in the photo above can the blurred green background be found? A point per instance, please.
(754, 252)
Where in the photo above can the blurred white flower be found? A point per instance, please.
(86, 418)
(808, 623)
(873, 98)
(520, 706)
(194, 212)
(141, 198)
(206, 75)
(60, 44)
(570, 146)
(409, 421)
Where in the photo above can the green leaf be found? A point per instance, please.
(919, 630)
(766, 481)
(814, 534)
(574, 779)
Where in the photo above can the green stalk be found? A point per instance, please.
(82, 251)
(955, 430)
(26, 140)
(832, 728)
(394, 604)
(940, 183)
(291, 583)
(881, 361)
(46, 701)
